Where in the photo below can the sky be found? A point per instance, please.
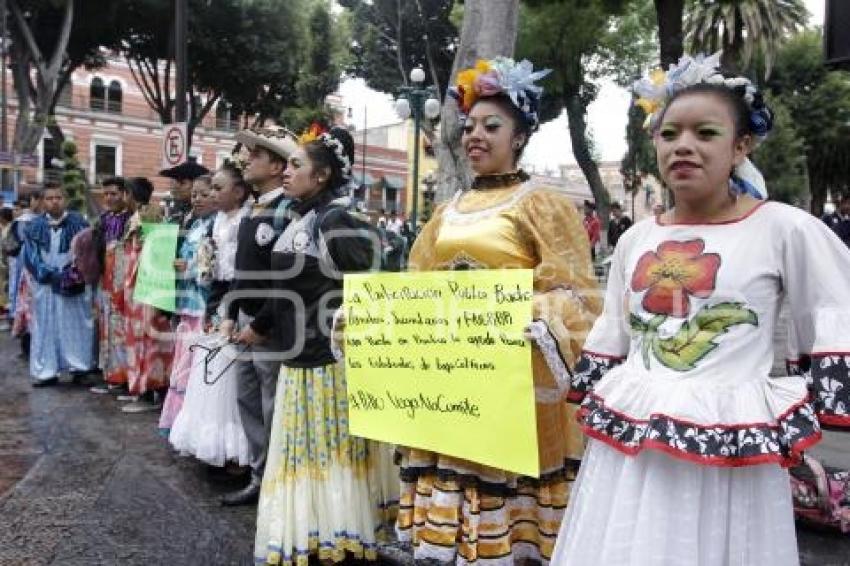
(550, 146)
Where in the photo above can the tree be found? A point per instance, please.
(51, 39)
(73, 179)
(244, 53)
(320, 73)
(489, 30)
(391, 37)
(742, 27)
(781, 158)
(582, 41)
(669, 16)
(818, 101)
(639, 159)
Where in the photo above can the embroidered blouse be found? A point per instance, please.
(680, 359)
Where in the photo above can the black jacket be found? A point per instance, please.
(323, 240)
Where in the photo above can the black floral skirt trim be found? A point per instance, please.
(714, 445)
(827, 375)
(590, 368)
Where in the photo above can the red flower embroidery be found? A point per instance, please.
(672, 273)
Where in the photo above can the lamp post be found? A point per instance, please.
(417, 101)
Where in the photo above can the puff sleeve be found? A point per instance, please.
(423, 253)
(816, 276)
(566, 297)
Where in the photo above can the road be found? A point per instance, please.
(82, 484)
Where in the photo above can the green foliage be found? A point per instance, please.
(639, 159)
(782, 158)
(742, 28)
(391, 37)
(73, 180)
(818, 104)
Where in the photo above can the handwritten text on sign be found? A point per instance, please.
(438, 361)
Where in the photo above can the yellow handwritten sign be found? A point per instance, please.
(438, 361)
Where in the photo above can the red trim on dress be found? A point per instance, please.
(834, 420)
(575, 396)
(718, 461)
(720, 223)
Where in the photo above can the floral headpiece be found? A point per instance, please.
(501, 75)
(312, 133)
(655, 91)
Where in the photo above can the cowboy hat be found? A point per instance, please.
(277, 140)
(189, 169)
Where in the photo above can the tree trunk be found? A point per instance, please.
(581, 151)
(489, 30)
(669, 14)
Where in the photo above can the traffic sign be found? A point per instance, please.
(173, 144)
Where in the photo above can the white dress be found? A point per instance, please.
(208, 426)
(690, 434)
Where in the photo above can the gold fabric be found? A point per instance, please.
(521, 226)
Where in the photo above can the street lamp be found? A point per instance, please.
(417, 102)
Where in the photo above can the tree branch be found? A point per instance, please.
(26, 35)
(62, 42)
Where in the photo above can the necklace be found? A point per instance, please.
(500, 180)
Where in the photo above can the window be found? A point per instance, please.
(105, 160)
(50, 151)
(224, 116)
(390, 198)
(114, 97)
(97, 95)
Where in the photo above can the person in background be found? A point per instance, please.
(63, 331)
(619, 223)
(246, 323)
(182, 178)
(110, 230)
(149, 350)
(839, 221)
(592, 226)
(382, 220)
(395, 223)
(658, 210)
(194, 276)
(20, 282)
(231, 194)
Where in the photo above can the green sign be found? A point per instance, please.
(155, 281)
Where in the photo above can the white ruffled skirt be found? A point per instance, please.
(209, 427)
(654, 510)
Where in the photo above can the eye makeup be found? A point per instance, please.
(493, 123)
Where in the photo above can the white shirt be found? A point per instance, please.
(225, 231)
(394, 225)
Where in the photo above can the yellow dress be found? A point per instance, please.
(453, 510)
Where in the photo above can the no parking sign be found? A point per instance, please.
(173, 144)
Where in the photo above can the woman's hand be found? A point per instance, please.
(225, 329)
(180, 265)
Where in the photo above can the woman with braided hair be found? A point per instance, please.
(319, 488)
(690, 432)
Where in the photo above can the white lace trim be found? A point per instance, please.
(454, 216)
(549, 348)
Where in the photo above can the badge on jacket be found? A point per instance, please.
(264, 235)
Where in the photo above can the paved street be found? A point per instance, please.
(82, 484)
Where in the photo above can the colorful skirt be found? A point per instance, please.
(186, 335)
(112, 328)
(655, 510)
(324, 492)
(459, 512)
(148, 338)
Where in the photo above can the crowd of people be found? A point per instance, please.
(673, 447)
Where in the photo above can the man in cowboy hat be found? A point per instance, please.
(182, 176)
(247, 321)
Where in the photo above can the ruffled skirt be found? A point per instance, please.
(654, 510)
(208, 426)
(324, 491)
(186, 334)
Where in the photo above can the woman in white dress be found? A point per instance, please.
(208, 426)
(690, 435)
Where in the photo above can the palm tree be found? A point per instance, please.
(742, 27)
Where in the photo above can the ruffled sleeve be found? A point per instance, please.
(817, 282)
(608, 342)
(348, 243)
(566, 295)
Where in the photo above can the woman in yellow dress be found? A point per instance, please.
(456, 511)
